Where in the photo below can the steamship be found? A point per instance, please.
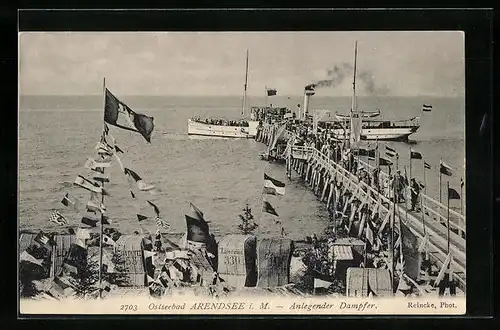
(371, 129)
(243, 128)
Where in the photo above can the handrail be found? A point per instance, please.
(460, 224)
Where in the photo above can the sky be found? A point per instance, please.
(213, 63)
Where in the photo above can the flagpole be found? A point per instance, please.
(440, 181)
(448, 218)
(102, 199)
(265, 96)
(461, 192)
(422, 197)
(391, 247)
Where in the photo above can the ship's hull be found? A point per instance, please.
(383, 134)
(203, 129)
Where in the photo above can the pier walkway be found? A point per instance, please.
(331, 181)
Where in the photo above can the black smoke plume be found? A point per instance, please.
(338, 74)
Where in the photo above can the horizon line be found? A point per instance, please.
(233, 95)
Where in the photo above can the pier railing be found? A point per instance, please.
(420, 226)
(432, 207)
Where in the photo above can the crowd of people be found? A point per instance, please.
(221, 122)
(340, 153)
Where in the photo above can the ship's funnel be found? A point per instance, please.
(308, 92)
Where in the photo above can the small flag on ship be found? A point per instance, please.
(158, 220)
(120, 115)
(101, 177)
(426, 107)
(427, 166)
(390, 152)
(117, 149)
(461, 182)
(453, 194)
(95, 206)
(107, 240)
(71, 201)
(415, 154)
(384, 161)
(58, 218)
(141, 184)
(91, 164)
(271, 92)
(42, 239)
(141, 217)
(273, 186)
(444, 168)
(267, 207)
(88, 185)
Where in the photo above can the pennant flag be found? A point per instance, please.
(426, 107)
(444, 168)
(461, 183)
(105, 220)
(25, 256)
(117, 149)
(197, 214)
(319, 283)
(132, 194)
(453, 194)
(272, 92)
(42, 239)
(390, 152)
(119, 163)
(87, 184)
(107, 240)
(427, 166)
(269, 209)
(273, 186)
(120, 115)
(58, 218)
(91, 164)
(89, 221)
(141, 217)
(141, 184)
(71, 201)
(415, 154)
(157, 210)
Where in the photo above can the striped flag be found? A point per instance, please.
(273, 186)
(271, 91)
(58, 218)
(461, 182)
(91, 164)
(160, 223)
(427, 166)
(25, 256)
(426, 107)
(445, 168)
(87, 184)
(390, 152)
(107, 240)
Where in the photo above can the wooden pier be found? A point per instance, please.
(323, 175)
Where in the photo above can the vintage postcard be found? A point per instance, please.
(242, 173)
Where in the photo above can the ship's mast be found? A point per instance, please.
(244, 103)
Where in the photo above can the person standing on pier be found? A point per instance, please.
(375, 179)
(415, 192)
(399, 186)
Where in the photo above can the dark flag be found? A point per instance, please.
(266, 207)
(120, 115)
(90, 222)
(132, 194)
(426, 107)
(415, 154)
(444, 168)
(271, 92)
(384, 161)
(70, 201)
(427, 166)
(197, 231)
(453, 194)
(42, 239)
(461, 183)
(157, 210)
(141, 217)
(117, 149)
(371, 158)
(197, 214)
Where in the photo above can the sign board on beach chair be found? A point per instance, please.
(237, 258)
